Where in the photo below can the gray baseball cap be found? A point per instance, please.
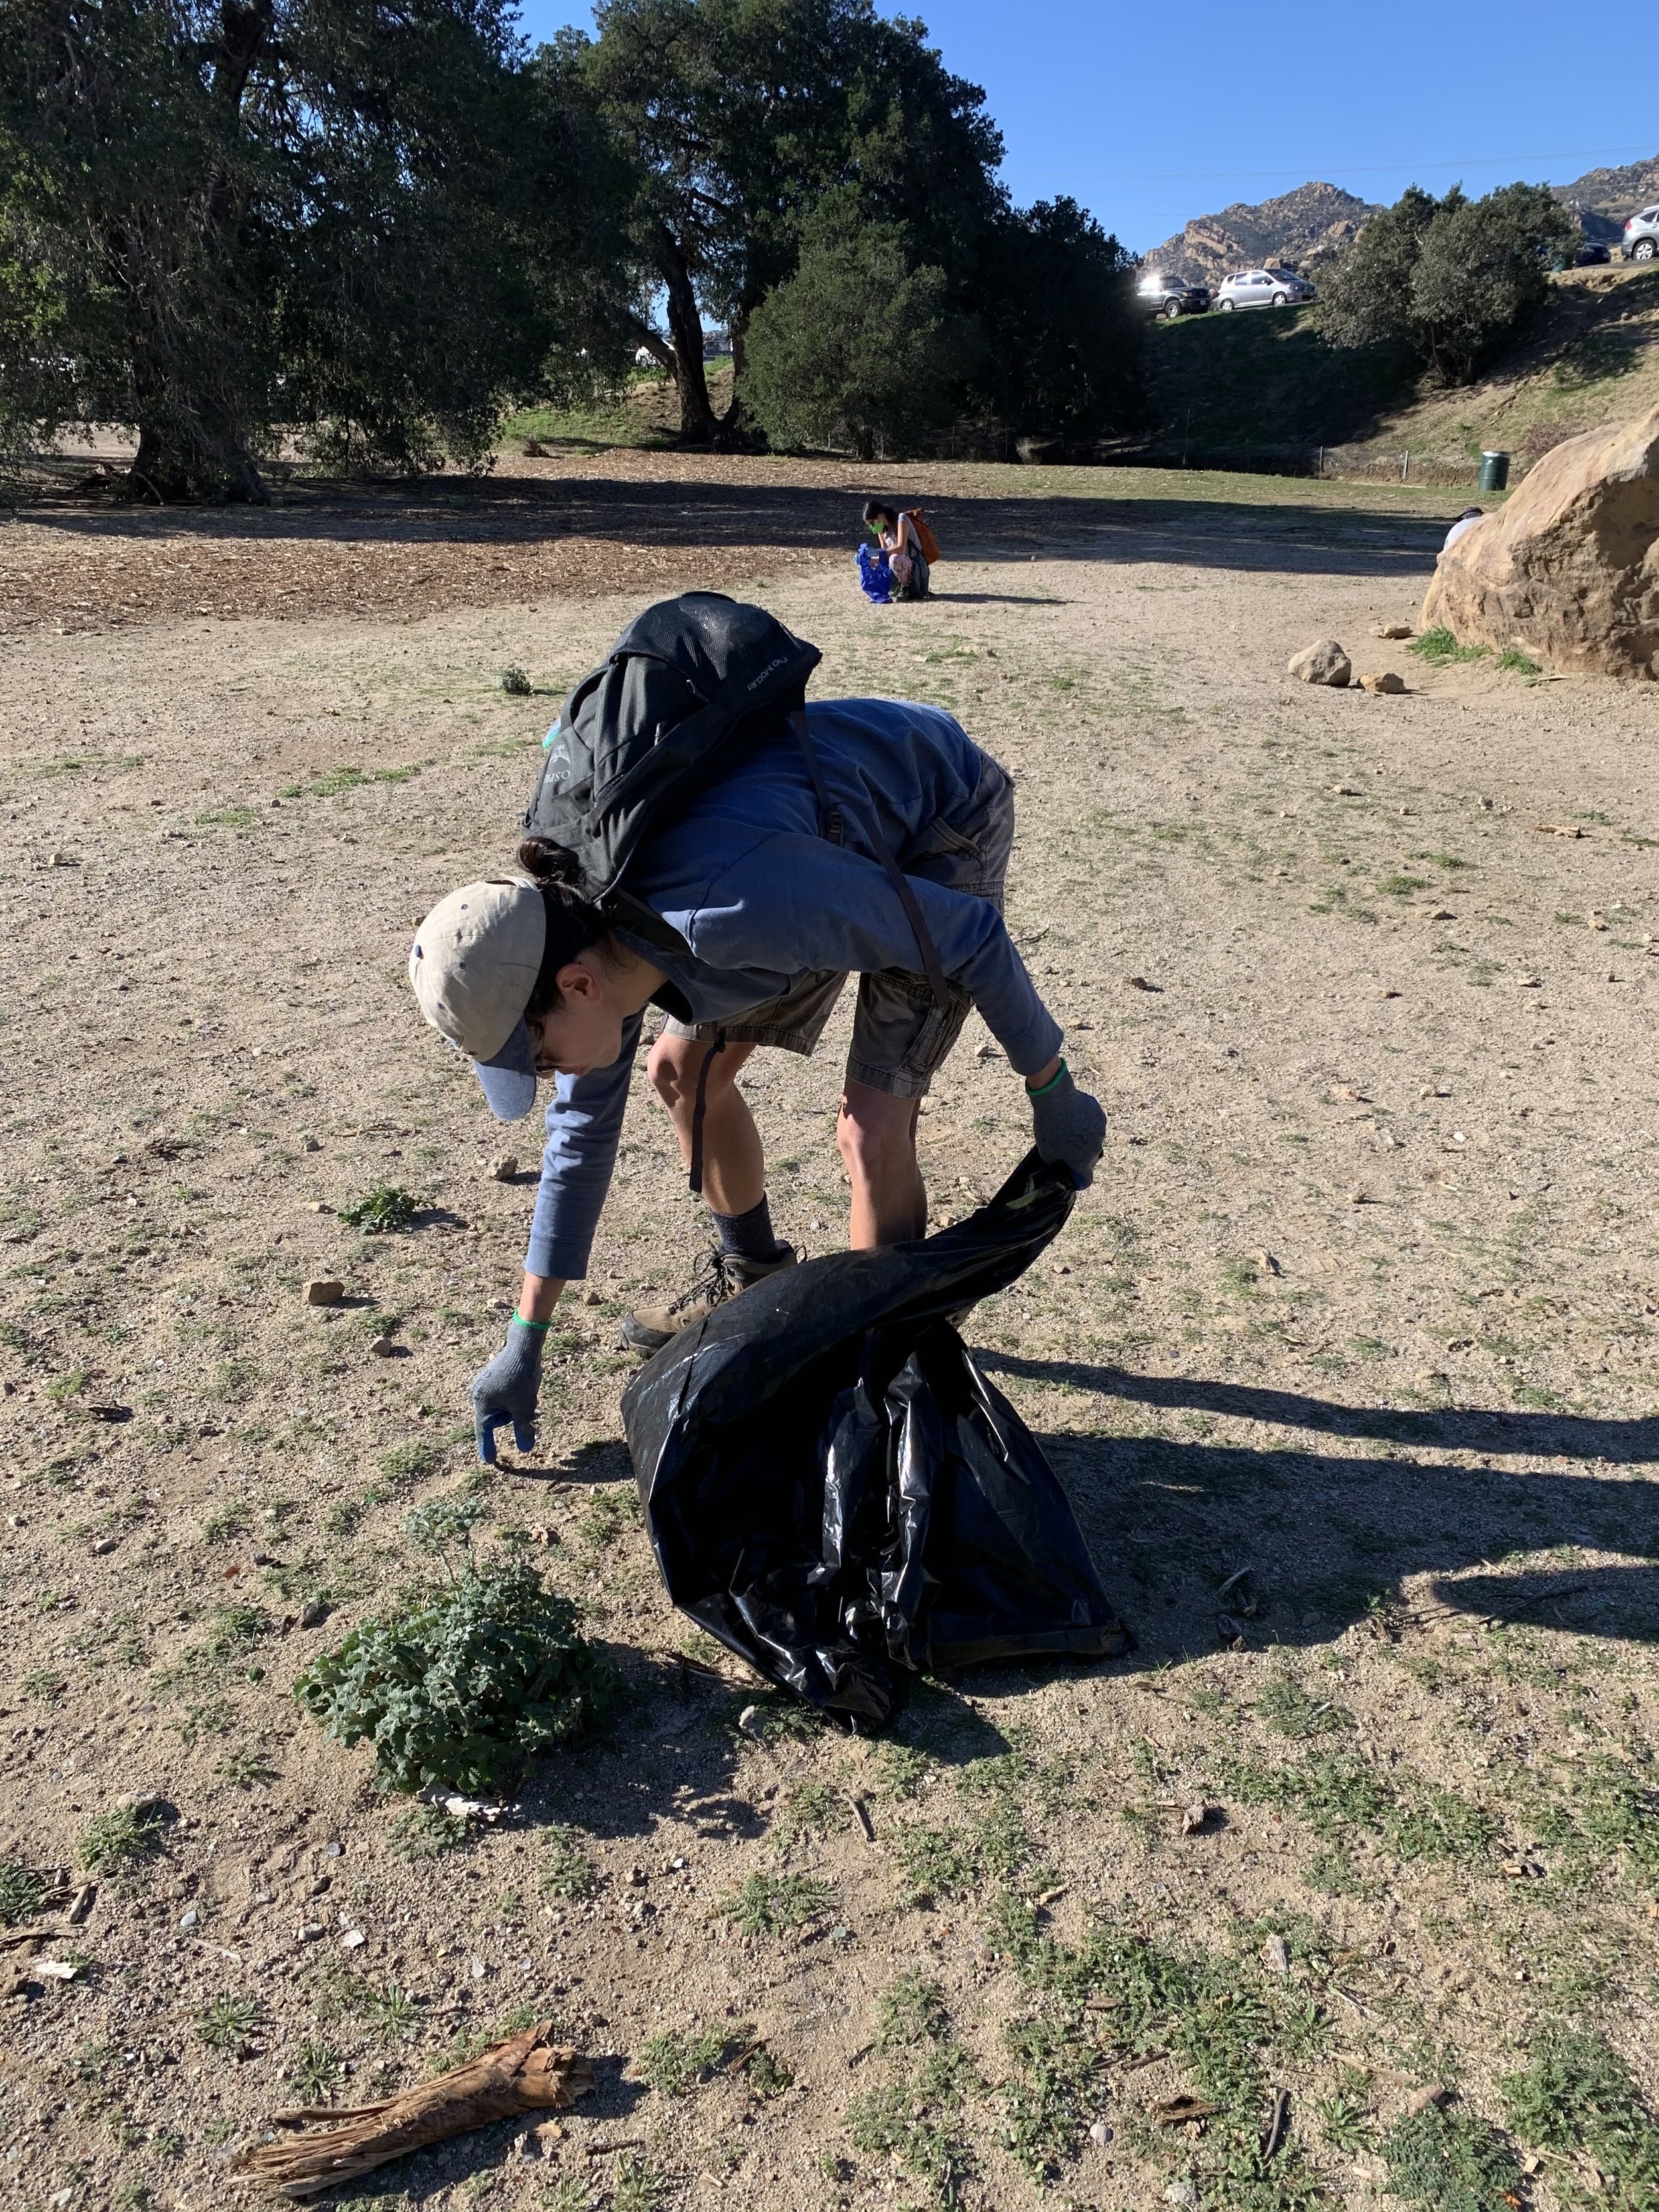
(472, 968)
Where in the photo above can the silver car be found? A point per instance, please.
(1264, 288)
(1642, 236)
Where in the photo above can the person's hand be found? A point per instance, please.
(1069, 1125)
(507, 1389)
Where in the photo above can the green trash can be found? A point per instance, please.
(1494, 472)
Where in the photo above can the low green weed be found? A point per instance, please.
(385, 1211)
(1340, 1793)
(915, 2120)
(23, 1893)
(1286, 1708)
(640, 2185)
(1516, 662)
(1576, 2095)
(566, 1870)
(1438, 647)
(899, 1769)
(226, 2023)
(766, 1903)
(123, 1838)
(675, 2064)
(461, 1682)
(1448, 2159)
(427, 1831)
(315, 2073)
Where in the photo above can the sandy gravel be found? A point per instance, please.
(1363, 1300)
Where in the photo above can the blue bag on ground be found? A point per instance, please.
(836, 1492)
(874, 574)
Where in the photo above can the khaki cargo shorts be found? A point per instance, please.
(901, 1039)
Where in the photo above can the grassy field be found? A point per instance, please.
(1340, 1889)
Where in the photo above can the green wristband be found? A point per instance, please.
(541, 1328)
(1042, 1089)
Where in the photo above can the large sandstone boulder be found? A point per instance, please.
(1569, 567)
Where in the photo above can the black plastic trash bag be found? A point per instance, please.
(836, 1492)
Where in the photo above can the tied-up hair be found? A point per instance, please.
(574, 924)
(880, 510)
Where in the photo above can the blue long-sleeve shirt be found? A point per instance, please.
(762, 898)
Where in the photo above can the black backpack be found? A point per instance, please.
(686, 688)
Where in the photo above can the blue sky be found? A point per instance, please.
(1152, 114)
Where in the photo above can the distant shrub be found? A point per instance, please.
(515, 683)
(384, 1212)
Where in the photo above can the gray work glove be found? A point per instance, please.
(507, 1389)
(1070, 1125)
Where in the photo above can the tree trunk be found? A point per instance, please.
(698, 420)
(163, 473)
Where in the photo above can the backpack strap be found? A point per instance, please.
(700, 1108)
(884, 851)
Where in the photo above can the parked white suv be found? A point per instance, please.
(1642, 236)
(1264, 288)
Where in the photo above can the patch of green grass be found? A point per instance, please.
(1517, 662)
(315, 2072)
(427, 1831)
(899, 1769)
(915, 2120)
(812, 1808)
(406, 1465)
(23, 1891)
(768, 1904)
(566, 1870)
(1049, 2093)
(675, 2064)
(226, 2023)
(246, 1767)
(1340, 1793)
(640, 2185)
(1576, 2095)
(43, 1684)
(1448, 2159)
(1286, 1708)
(938, 1862)
(1607, 1814)
(123, 1838)
(335, 781)
(384, 1212)
(1438, 647)
(1402, 886)
(1344, 2116)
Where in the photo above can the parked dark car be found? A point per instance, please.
(1172, 296)
(1587, 256)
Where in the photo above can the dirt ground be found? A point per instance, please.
(1363, 1301)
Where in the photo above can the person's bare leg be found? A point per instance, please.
(877, 1135)
(733, 1163)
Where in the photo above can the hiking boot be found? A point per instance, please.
(723, 1275)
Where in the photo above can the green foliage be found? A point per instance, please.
(515, 683)
(1284, 1704)
(856, 348)
(1514, 662)
(913, 2011)
(1450, 278)
(427, 1831)
(1438, 646)
(385, 1210)
(226, 2023)
(675, 2064)
(369, 225)
(315, 2072)
(1341, 1793)
(1448, 2159)
(405, 1465)
(461, 1684)
(1048, 2096)
(23, 1891)
(766, 1903)
(640, 2186)
(938, 1862)
(901, 1768)
(1576, 2095)
(1062, 329)
(123, 1838)
(566, 1870)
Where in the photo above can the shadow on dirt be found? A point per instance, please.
(1297, 539)
(1328, 1536)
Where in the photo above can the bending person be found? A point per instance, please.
(744, 922)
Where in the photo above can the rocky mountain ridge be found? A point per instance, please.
(1301, 228)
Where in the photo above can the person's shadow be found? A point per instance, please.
(1328, 1536)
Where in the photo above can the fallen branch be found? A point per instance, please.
(525, 2074)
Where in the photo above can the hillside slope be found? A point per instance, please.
(1252, 387)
